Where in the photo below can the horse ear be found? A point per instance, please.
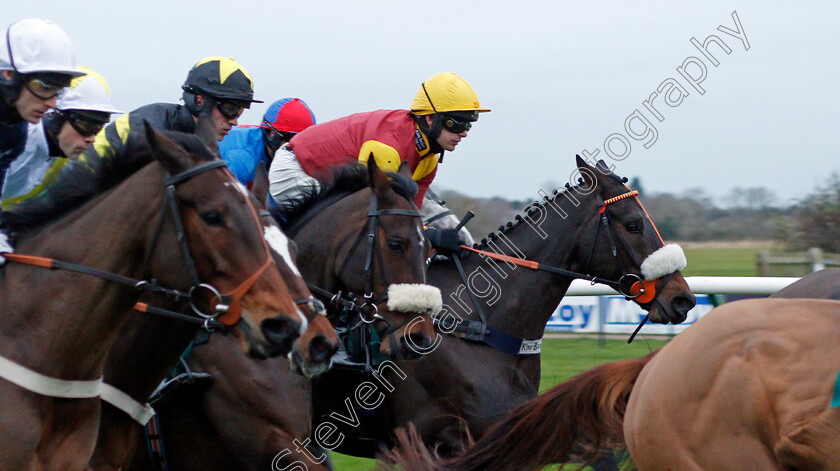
(587, 173)
(260, 187)
(404, 170)
(206, 130)
(173, 158)
(378, 181)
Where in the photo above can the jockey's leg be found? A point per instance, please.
(286, 179)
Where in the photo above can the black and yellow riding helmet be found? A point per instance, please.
(221, 79)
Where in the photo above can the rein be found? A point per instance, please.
(630, 285)
(33, 381)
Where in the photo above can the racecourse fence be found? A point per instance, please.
(794, 264)
(594, 309)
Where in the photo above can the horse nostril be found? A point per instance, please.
(682, 304)
(321, 349)
(281, 333)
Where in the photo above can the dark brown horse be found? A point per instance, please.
(148, 348)
(57, 325)
(754, 385)
(257, 414)
(596, 228)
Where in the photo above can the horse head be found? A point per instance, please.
(621, 240)
(397, 265)
(314, 349)
(228, 262)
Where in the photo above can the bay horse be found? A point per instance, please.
(595, 230)
(179, 226)
(257, 414)
(753, 385)
(149, 347)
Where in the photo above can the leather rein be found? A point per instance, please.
(630, 285)
(226, 312)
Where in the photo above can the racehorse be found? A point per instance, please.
(379, 254)
(255, 412)
(179, 226)
(149, 347)
(753, 385)
(596, 230)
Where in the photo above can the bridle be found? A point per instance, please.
(369, 310)
(630, 285)
(225, 312)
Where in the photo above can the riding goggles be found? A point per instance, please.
(230, 110)
(455, 125)
(41, 88)
(85, 127)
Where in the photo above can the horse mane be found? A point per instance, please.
(335, 184)
(531, 208)
(81, 181)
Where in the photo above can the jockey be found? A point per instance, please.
(61, 136)
(216, 84)
(442, 112)
(36, 64)
(246, 146)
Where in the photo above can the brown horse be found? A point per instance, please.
(257, 414)
(149, 347)
(753, 385)
(362, 234)
(596, 230)
(193, 226)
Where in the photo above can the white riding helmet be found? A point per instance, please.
(89, 92)
(33, 45)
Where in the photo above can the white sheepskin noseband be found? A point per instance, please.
(410, 297)
(663, 262)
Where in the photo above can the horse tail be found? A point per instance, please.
(574, 421)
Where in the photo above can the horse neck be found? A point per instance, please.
(79, 314)
(517, 299)
(327, 239)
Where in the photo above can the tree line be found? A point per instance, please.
(694, 215)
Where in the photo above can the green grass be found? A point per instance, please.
(561, 359)
(721, 261)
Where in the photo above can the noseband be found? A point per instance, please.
(369, 311)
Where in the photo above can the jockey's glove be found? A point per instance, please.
(444, 241)
(5, 246)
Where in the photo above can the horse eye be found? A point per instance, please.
(212, 218)
(633, 227)
(396, 246)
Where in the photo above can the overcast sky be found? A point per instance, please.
(560, 77)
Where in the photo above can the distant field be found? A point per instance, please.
(722, 261)
(563, 358)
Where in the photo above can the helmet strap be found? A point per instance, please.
(191, 101)
(53, 122)
(273, 143)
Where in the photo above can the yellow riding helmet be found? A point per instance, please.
(443, 93)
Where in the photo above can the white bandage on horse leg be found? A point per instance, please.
(412, 298)
(663, 262)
